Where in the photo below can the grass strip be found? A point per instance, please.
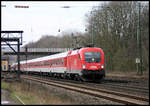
(34, 94)
(14, 90)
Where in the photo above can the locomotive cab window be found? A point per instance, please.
(92, 57)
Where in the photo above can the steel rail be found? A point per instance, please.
(109, 95)
(128, 87)
(122, 87)
(125, 87)
(99, 89)
(135, 87)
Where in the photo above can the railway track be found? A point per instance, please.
(126, 87)
(122, 85)
(117, 85)
(138, 90)
(98, 92)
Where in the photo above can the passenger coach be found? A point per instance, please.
(81, 64)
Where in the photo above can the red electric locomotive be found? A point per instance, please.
(85, 64)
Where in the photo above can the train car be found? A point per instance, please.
(85, 64)
(4, 65)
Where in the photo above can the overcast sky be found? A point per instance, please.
(44, 18)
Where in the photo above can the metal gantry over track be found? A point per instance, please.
(13, 38)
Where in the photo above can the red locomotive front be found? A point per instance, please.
(86, 63)
(92, 63)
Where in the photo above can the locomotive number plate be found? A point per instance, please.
(93, 67)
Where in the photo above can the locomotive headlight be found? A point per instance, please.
(83, 66)
(102, 66)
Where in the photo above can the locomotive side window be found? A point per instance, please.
(57, 62)
(92, 57)
(46, 63)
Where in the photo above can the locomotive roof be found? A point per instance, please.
(88, 48)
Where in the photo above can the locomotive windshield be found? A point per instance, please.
(92, 57)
